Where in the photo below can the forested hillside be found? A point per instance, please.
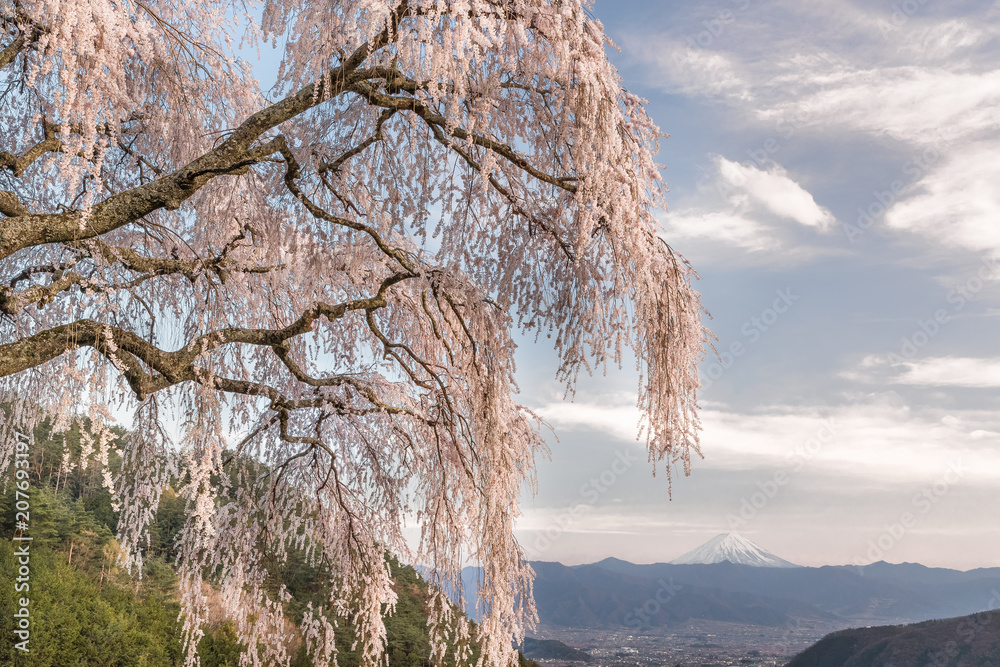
(968, 641)
(86, 611)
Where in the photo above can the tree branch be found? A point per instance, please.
(291, 173)
(394, 78)
(22, 23)
(17, 165)
(126, 350)
(233, 155)
(12, 50)
(12, 302)
(11, 206)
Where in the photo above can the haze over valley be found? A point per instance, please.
(731, 600)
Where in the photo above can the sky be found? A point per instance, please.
(833, 171)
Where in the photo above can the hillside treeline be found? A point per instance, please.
(85, 610)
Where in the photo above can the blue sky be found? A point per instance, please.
(838, 162)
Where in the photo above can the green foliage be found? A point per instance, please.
(163, 530)
(953, 642)
(86, 611)
(408, 643)
(78, 621)
(220, 648)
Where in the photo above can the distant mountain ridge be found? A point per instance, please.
(734, 548)
(593, 596)
(616, 593)
(877, 593)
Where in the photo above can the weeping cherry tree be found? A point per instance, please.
(313, 289)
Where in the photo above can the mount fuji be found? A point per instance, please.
(733, 548)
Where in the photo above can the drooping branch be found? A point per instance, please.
(407, 406)
(168, 192)
(238, 152)
(395, 79)
(505, 192)
(232, 156)
(63, 277)
(21, 24)
(18, 164)
(283, 354)
(336, 164)
(292, 171)
(126, 349)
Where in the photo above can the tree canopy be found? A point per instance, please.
(312, 290)
(85, 610)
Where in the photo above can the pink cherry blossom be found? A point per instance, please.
(305, 297)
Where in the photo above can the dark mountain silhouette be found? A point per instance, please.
(968, 641)
(591, 596)
(616, 593)
(880, 592)
(552, 649)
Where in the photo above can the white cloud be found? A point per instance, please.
(776, 192)
(757, 209)
(930, 76)
(951, 372)
(957, 201)
(727, 227)
(879, 439)
(937, 41)
(620, 421)
(970, 372)
(930, 83)
(696, 71)
(915, 105)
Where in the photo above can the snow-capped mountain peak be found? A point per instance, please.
(734, 548)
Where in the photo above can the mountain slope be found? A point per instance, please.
(86, 611)
(612, 593)
(876, 594)
(592, 596)
(956, 642)
(552, 649)
(734, 548)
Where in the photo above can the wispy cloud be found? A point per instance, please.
(916, 105)
(909, 82)
(932, 372)
(956, 202)
(724, 227)
(760, 209)
(859, 72)
(879, 438)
